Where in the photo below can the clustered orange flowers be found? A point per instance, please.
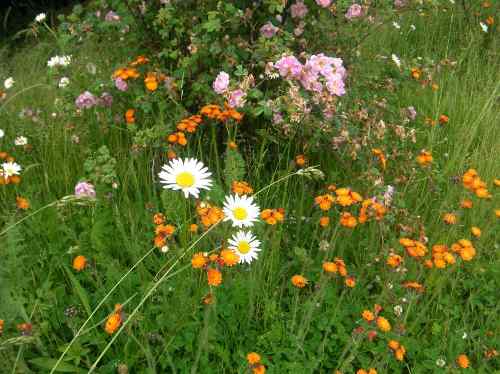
(398, 349)
(191, 123)
(212, 263)
(473, 182)
(13, 179)
(114, 320)
(345, 197)
(338, 266)
(254, 363)
(273, 216)
(414, 248)
(209, 214)
(162, 231)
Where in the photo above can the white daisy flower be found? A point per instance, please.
(10, 169)
(245, 245)
(484, 27)
(8, 83)
(21, 140)
(189, 175)
(396, 25)
(2, 133)
(41, 17)
(240, 210)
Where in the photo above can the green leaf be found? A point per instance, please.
(80, 291)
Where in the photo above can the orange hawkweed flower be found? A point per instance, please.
(2, 322)
(214, 277)
(241, 188)
(414, 286)
(151, 82)
(211, 111)
(476, 231)
(209, 214)
(368, 315)
(350, 282)
(22, 203)
(463, 361)
(330, 267)
(165, 230)
(114, 321)
(347, 197)
(193, 228)
(424, 158)
(394, 260)
(229, 257)
(473, 182)
(130, 116)
(348, 220)
(450, 218)
(232, 145)
(383, 324)
(377, 152)
(171, 154)
(79, 263)
(299, 281)
(199, 260)
(415, 73)
(443, 119)
(139, 60)
(400, 353)
(159, 219)
(490, 21)
(393, 344)
(324, 201)
(273, 216)
(258, 369)
(300, 160)
(466, 204)
(253, 358)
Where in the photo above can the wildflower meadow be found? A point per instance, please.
(268, 186)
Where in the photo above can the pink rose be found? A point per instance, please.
(354, 11)
(298, 10)
(324, 3)
(221, 83)
(85, 189)
(289, 67)
(268, 30)
(237, 98)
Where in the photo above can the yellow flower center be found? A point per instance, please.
(185, 179)
(243, 247)
(240, 213)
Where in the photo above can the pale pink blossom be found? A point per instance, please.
(268, 30)
(221, 83)
(85, 189)
(289, 67)
(237, 98)
(324, 3)
(354, 11)
(299, 9)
